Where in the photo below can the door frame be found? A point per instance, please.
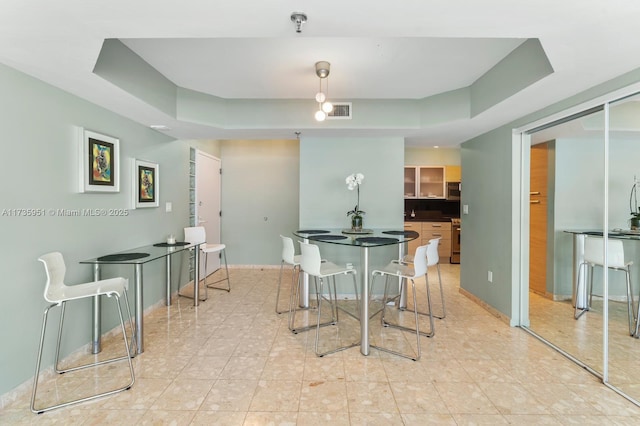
(214, 262)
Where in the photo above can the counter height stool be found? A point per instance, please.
(433, 259)
(57, 293)
(311, 263)
(289, 257)
(408, 271)
(594, 256)
(197, 234)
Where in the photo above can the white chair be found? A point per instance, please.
(289, 258)
(311, 262)
(57, 293)
(594, 256)
(197, 234)
(433, 259)
(410, 272)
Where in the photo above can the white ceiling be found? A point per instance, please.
(378, 50)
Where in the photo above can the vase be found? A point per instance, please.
(635, 223)
(356, 223)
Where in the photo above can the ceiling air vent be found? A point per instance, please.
(341, 111)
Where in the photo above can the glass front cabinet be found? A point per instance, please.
(424, 182)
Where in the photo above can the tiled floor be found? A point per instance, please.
(233, 361)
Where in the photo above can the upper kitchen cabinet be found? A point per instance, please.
(453, 173)
(424, 182)
(431, 182)
(410, 182)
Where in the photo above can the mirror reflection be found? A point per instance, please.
(567, 199)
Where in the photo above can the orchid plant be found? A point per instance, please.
(353, 182)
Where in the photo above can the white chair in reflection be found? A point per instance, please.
(311, 263)
(57, 293)
(594, 256)
(410, 272)
(433, 259)
(197, 234)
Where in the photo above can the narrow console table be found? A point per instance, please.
(137, 257)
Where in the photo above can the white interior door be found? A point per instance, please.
(208, 201)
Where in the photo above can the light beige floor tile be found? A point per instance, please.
(323, 396)
(219, 418)
(270, 418)
(176, 417)
(422, 419)
(381, 419)
(371, 397)
(465, 398)
(276, 395)
(513, 398)
(230, 395)
(323, 418)
(418, 397)
(183, 394)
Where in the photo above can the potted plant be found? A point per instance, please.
(353, 182)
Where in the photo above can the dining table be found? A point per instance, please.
(364, 240)
(137, 257)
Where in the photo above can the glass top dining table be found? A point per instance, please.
(364, 240)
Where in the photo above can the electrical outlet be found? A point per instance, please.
(490, 276)
(465, 209)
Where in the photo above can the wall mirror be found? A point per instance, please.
(577, 167)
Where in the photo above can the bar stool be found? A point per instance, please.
(408, 271)
(290, 258)
(197, 234)
(594, 256)
(57, 293)
(433, 259)
(311, 263)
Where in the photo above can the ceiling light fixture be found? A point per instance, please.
(298, 18)
(324, 106)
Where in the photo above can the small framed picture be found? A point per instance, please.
(146, 184)
(99, 162)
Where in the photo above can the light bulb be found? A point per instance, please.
(327, 107)
(320, 115)
(320, 97)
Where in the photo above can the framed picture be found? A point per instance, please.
(99, 162)
(146, 184)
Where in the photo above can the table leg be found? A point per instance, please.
(581, 301)
(97, 317)
(364, 302)
(304, 287)
(196, 276)
(139, 308)
(168, 296)
(402, 283)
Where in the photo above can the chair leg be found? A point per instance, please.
(88, 398)
(226, 268)
(278, 290)
(630, 304)
(334, 311)
(295, 308)
(196, 280)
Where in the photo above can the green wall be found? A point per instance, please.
(40, 171)
(260, 197)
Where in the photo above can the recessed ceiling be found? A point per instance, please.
(283, 68)
(249, 50)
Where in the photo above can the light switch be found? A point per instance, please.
(465, 209)
(168, 207)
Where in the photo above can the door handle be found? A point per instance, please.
(534, 193)
(534, 201)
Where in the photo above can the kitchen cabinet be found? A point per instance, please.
(428, 231)
(453, 173)
(413, 244)
(410, 182)
(424, 182)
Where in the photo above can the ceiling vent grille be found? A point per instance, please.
(341, 111)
